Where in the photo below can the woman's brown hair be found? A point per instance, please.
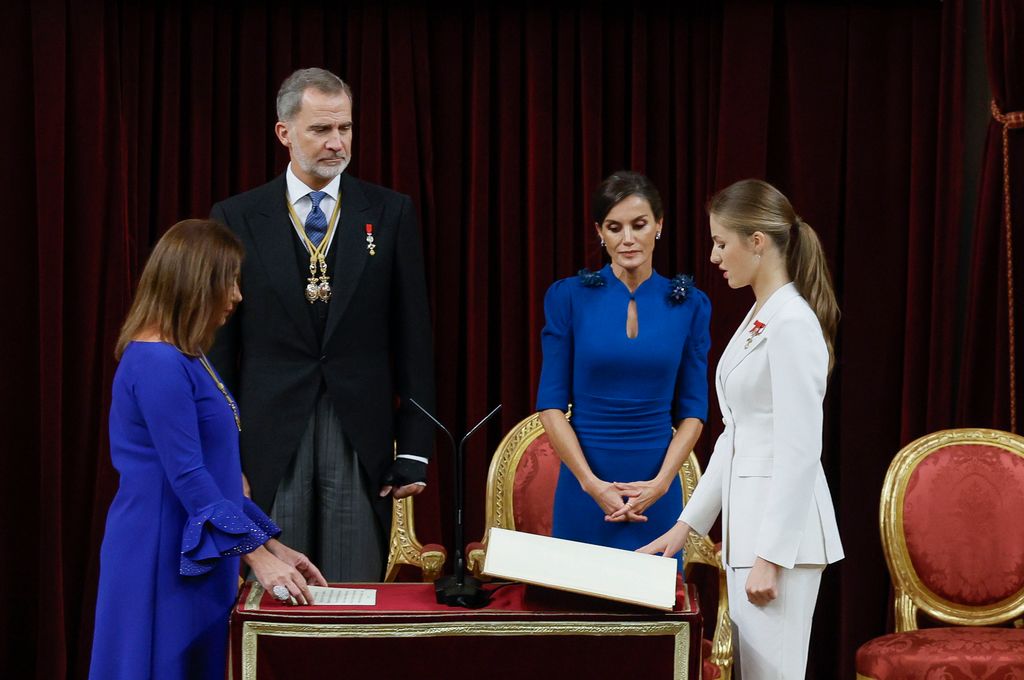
(619, 186)
(186, 282)
(749, 206)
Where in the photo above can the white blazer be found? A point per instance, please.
(765, 474)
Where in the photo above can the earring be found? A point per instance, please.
(657, 236)
(602, 243)
(758, 256)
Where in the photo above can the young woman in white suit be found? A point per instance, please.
(765, 476)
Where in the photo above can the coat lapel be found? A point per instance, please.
(272, 233)
(731, 355)
(738, 348)
(350, 258)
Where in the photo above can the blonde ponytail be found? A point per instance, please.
(750, 206)
(807, 266)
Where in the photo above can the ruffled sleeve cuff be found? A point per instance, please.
(260, 518)
(221, 530)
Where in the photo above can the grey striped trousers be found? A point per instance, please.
(323, 503)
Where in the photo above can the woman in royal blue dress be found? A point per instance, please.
(627, 349)
(180, 522)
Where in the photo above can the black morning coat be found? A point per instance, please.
(371, 348)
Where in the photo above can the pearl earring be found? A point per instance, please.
(657, 236)
(602, 243)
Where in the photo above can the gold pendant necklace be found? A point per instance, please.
(223, 390)
(318, 287)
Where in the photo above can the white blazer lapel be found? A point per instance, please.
(745, 341)
(731, 355)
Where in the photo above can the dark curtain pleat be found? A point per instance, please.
(985, 372)
(936, 203)
(22, 525)
(871, 264)
(125, 118)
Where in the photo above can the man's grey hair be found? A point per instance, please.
(289, 97)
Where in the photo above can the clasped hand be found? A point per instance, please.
(625, 501)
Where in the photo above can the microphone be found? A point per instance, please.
(459, 589)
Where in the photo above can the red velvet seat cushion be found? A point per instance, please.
(962, 519)
(945, 654)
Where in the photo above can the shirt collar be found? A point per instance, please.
(298, 189)
(776, 301)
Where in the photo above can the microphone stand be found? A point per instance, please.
(459, 589)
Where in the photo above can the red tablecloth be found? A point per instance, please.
(525, 632)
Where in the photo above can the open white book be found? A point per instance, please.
(620, 575)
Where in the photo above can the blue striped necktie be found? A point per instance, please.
(316, 221)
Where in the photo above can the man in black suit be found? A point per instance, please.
(331, 341)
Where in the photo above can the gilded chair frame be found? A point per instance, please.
(500, 513)
(911, 593)
(701, 550)
(405, 548)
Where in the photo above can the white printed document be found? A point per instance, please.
(611, 573)
(344, 596)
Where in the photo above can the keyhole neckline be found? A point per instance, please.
(632, 293)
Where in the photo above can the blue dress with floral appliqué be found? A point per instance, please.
(177, 525)
(626, 393)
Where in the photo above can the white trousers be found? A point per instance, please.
(770, 642)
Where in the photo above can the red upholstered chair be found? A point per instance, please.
(952, 520)
(520, 496)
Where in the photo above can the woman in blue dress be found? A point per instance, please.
(179, 522)
(627, 349)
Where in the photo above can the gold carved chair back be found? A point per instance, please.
(950, 517)
(520, 496)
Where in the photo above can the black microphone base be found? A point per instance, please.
(467, 594)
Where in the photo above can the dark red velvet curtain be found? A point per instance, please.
(985, 375)
(498, 122)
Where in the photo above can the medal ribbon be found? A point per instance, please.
(316, 253)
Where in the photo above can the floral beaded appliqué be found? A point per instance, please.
(591, 279)
(679, 289)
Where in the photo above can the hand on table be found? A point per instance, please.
(669, 543)
(300, 562)
(271, 572)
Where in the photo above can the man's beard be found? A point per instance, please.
(312, 167)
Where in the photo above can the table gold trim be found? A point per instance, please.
(252, 630)
(252, 601)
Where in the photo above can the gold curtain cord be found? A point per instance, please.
(1010, 121)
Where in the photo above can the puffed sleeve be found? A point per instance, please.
(692, 380)
(216, 527)
(555, 389)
